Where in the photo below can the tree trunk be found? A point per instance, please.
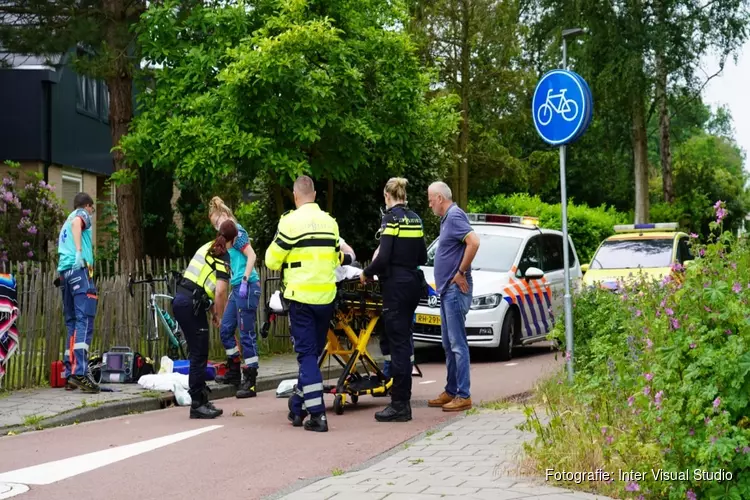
(120, 85)
(329, 196)
(640, 160)
(664, 130)
(463, 141)
(278, 199)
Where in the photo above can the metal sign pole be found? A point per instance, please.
(564, 203)
(562, 109)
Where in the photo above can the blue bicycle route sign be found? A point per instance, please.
(562, 107)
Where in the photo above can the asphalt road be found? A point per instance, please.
(250, 452)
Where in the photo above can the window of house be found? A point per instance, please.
(72, 184)
(104, 111)
(87, 95)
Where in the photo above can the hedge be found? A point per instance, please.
(587, 226)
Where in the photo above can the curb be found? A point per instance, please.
(140, 404)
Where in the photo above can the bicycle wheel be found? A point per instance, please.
(571, 110)
(544, 114)
(152, 339)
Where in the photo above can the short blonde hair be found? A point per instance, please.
(396, 187)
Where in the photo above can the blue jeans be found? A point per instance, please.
(454, 305)
(79, 307)
(241, 312)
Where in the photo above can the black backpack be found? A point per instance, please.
(141, 367)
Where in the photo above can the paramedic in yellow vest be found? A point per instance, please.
(203, 288)
(306, 249)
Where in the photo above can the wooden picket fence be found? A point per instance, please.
(121, 320)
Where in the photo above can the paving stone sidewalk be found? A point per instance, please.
(475, 457)
(33, 408)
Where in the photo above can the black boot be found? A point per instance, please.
(296, 420)
(397, 411)
(317, 423)
(247, 389)
(201, 407)
(232, 376)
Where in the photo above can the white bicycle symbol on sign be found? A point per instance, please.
(567, 108)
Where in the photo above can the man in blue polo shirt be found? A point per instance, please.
(457, 246)
(76, 261)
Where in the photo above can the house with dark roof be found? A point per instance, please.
(56, 122)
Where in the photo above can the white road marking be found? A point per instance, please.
(51, 472)
(510, 364)
(8, 490)
(428, 382)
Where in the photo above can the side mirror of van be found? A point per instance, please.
(534, 273)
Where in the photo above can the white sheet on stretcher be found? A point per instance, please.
(342, 273)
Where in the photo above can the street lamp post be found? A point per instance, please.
(567, 301)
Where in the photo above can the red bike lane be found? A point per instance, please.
(251, 451)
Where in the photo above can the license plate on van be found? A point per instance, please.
(428, 319)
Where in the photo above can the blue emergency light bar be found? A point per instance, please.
(504, 219)
(659, 226)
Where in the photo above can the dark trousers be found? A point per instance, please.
(309, 326)
(195, 328)
(401, 293)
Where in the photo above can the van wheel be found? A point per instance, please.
(507, 336)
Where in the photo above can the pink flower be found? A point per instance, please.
(669, 311)
(648, 376)
(692, 345)
(604, 430)
(33, 230)
(675, 323)
(649, 344)
(631, 399)
(690, 495)
(646, 390)
(638, 313)
(737, 288)
(8, 197)
(717, 402)
(26, 244)
(693, 235)
(26, 212)
(30, 254)
(610, 439)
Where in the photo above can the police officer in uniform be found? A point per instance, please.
(306, 249)
(203, 287)
(402, 250)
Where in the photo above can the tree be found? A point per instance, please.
(476, 47)
(99, 34)
(318, 87)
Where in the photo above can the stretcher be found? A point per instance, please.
(357, 310)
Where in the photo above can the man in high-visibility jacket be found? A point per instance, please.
(306, 249)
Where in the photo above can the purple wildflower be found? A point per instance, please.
(631, 399)
(8, 181)
(733, 265)
(693, 235)
(708, 309)
(728, 332)
(30, 254)
(649, 344)
(669, 311)
(647, 390)
(26, 244)
(648, 376)
(692, 345)
(702, 252)
(632, 486)
(658, 397)
(690, 495)
(8, 197)
(638, 313)
(33, 230)
(717, 402)
(746, 450)
(737, 288)
(604, 430)
(675, 323)
(26, 212)
(691, 432)
(706, 420)
(610, 439)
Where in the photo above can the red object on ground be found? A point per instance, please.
(221, 369)
(56, 372)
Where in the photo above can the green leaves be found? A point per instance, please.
(314, 87)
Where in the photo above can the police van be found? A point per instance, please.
(518, 278)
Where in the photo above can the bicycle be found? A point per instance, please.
(567, 108)
(177, 345)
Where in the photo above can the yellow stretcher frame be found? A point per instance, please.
(357, 307)
(357, 310)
